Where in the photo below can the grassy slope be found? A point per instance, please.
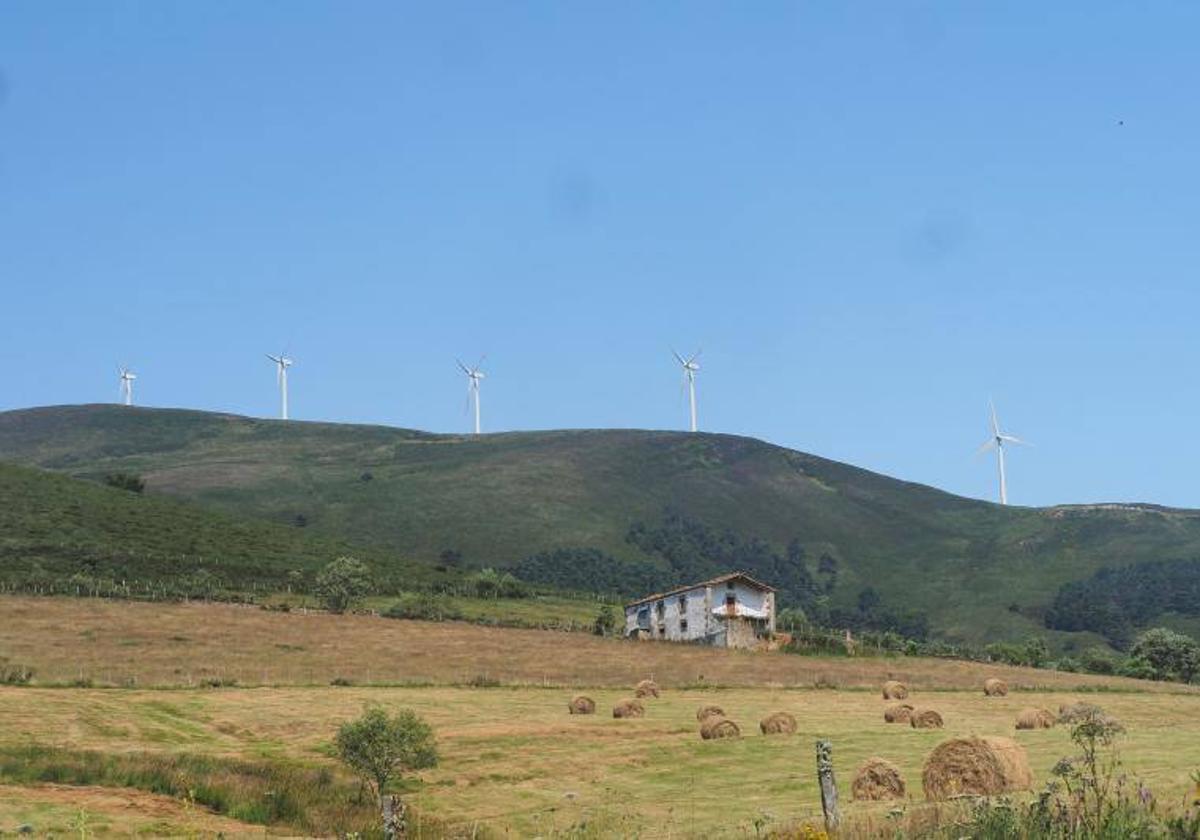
(59, 523)
(500, 497)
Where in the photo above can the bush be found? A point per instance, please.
(1166, 655)
(125, 481)
(15, 675)
(413, 605)
(606, 621)
(342, 584)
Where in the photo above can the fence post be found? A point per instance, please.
(829, 797)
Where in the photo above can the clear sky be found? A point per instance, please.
(870, 216)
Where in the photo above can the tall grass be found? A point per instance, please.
(311, 800)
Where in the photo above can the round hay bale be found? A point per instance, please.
(975, 766)
(925, 719)
(1075, 712)
(709, 711)
(629, 709)
(895, 690)
(712, 728)
(993, 687)
(778, 723)
(646, 688)
(1035, 719)
(898, 713)
(878, 779)
(581, 705)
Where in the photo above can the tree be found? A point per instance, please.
(1035, 652)
(1167, 655)
(342, 584)
(606, 621)
(380, 748)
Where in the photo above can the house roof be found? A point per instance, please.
(712, 582)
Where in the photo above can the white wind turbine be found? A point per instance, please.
(474, 375)
(689, 374)
(282, 363)
(997, 442)
(127, 377)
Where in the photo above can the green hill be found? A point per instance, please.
(73, 536)
(626, 507)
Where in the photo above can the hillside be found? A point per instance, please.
(650, 504)
(57, 528)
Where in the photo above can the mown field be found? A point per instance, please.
(128, 643)
(514, 763)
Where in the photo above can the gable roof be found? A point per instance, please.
(711, 582)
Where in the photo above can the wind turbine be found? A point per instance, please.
(474, 375)
(997, 441)
(689, 374)
(282, 363)
(127, 377)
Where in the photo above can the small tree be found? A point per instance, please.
(606, 621)
(380, 748)
(342, 584)
(1167, 655)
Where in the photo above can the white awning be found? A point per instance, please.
(740, 611)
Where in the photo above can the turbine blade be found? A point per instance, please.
(465, 369)
(990, 443)
(695, 356)
(995, 422)
(1014, 439)
(678, 358)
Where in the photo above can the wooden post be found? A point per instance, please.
(393, 817)
(829, 799)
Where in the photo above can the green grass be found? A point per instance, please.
(499, 498)
(313, 800)
(56, 528)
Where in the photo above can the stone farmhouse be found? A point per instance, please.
(733, 611)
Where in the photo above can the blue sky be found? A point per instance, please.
(871, 217)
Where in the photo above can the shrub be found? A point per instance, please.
(1167, 655)
(342, 584)
(125, 481)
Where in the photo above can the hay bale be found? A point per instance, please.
(712, 728)
(709, 711)
(1035, 719)
(646, 688)
(778, 723)
(878, 779)
(1072, 713)
(629, 709)
(925, 719)
(898, 713)
(985, 766)
(993, 687)
(581, 705)
(895, 690)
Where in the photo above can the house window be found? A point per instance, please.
(683, 603)
(683, 625)
(731, 602)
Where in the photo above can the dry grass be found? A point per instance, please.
(513, 759)
(129, 643)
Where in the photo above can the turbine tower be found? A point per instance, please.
(997, 441)
(282, 363)
(474, 375)
(127, 377)
(689, 375)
